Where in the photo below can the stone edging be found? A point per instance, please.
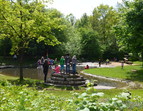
(102, 77)
(129, 84)
(106, 81)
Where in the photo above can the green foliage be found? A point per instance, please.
(31, 27)
(129, 29)
(101, 25)
(103, 20)
(24, 21)
(16, 98)
(90, 101)
(73, 46)
(90, 45)
(83, 22)
(5, 46)
(113, 52)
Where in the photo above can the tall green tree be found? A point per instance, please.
(25, 20)
(73, 43)
(130, 27)
(83, 21)
(90, 49)
(103, 21)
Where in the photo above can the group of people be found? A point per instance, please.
(65, 65)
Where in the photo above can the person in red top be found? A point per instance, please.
(57, 69)
(86, 67)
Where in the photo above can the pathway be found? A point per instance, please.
(104, 87)
(95, 64)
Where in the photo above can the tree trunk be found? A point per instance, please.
(21, 67)
(142, 58)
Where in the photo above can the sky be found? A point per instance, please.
(79, 7)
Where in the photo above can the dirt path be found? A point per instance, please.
(117, 64)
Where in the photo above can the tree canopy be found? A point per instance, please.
(130, 27)
(22, 21)
(30, 26)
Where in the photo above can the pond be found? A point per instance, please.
(36, 73)
(33, 73)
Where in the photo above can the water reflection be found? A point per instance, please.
(33, 73)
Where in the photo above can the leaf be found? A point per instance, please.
(85, 109)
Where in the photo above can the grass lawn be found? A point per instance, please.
(131, 72)
(113, 92)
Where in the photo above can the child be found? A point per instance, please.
(57, 69)
(86, 67)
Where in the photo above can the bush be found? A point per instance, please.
(20, 98)
(91, 101)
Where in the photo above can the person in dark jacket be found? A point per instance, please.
(45, 69)
(74, 62)
(99, 62)
(67, 62)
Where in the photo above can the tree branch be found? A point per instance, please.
(10, 25)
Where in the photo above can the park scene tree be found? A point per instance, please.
(113, 36)
(24, 21)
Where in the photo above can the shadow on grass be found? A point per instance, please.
(135, 75)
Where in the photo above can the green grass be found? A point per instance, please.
(5, 77)
(113, 92)
(138, 63)
(132, 72)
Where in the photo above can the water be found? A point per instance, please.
(27, 72)
(37, 73)
(33, 73)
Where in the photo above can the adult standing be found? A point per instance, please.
(39, 67)
(99, 62)
(107, 61)
(122, 64)
(45, 69)
(67, 62)
(74, 62)
(62, 62)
